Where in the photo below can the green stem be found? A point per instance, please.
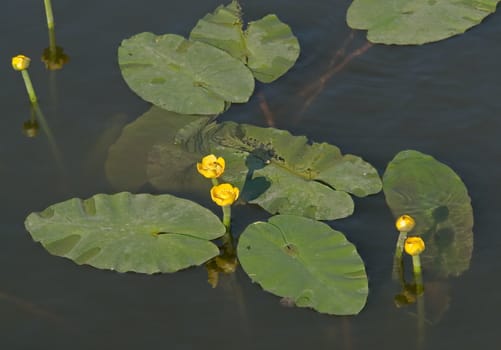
(49, 14)
(215, 182)
(52, 32)
(397, 258)
(29, 86)
(227, 217)
(418, 275)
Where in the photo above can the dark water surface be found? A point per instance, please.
(442, 99)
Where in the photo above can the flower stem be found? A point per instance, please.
(227, 217)
(397, 258)
(48, 13)
(52, 32)
(29, 86)
(418, 275)
(215, 181)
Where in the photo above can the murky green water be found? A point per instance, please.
(441, 99)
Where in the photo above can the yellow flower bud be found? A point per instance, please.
(20, 62)
(414, 246)
(405, 223)
(224, 194)
(211, 167)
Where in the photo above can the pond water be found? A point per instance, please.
(441, 99)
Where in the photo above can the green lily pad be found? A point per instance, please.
(305, 261)
(268, 46)
(126, 232)
(286, 174)
(184, 76)
(404, 22)
(150, 142)
(417, 184)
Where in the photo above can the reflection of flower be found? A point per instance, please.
(414, 246)
(211, 167)
(224, 194)
(405, 223)
(54, 59)
(30, 128)
(20, 62)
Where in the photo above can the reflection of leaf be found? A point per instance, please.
(149, 144)
(418, 21)
(295, 177)
(306, 261)
(419, 185)
(184, 76)
(268, 46)
(126, 232)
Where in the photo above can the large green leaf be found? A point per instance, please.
(126, 232)
(417, 184)
(286, 174)
(416, 21)
(280, 172)
(268, 46)
(150, 142)
(184, 76)
(305, 261)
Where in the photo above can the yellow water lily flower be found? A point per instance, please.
(211, 167)
(20, 62)
(414, 246)
(405, 223)
(224, 194)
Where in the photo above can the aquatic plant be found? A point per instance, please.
(404, 22)
(293, 254)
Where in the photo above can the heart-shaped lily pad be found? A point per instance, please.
(404, 22)
(267, 46)
(184, 76)
(305, 261)
(417, 184)
(126, 232)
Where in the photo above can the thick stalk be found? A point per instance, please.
(227, 217)
(52, 32)
(418, 275)
(397, 258)
(29, 86)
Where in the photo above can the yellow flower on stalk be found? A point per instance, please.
(211, 167)
(20, 62)
(224, 194)
(414, 246)
(405, 223)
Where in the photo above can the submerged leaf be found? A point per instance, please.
(404, 22)
(150, 142)
(305, 261)
(126, 232)
(184, 76)
(417, 184)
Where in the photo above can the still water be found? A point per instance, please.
(441, 99)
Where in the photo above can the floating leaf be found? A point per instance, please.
(417, 184)
(405, 22)
(150, 142)
(272, 48)
(184, 76)
(285, 174)
(223, 29)
(305, 261)
(126, 232)
(268, 46)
